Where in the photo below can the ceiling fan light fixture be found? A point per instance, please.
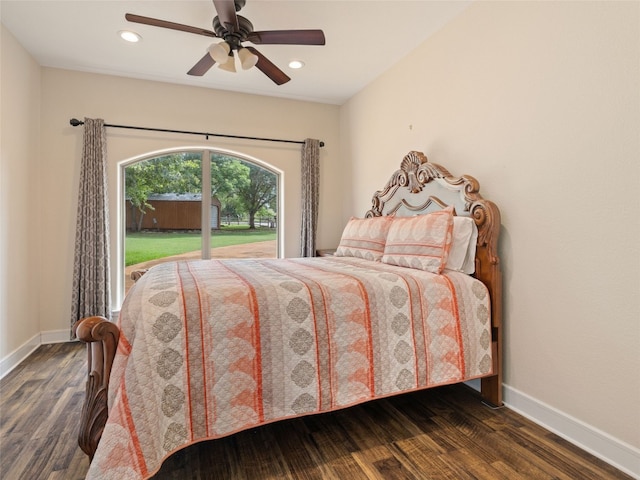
(247, 59)
(220, 52)
(231, 31)
(228, 65)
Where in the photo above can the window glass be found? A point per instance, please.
(164, 210)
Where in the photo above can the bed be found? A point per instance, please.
(411, 299)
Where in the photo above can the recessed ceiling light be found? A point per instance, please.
(296, 64)
(129, 36)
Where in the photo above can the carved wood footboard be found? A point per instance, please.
(101, 337)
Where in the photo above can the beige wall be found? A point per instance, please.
(19, 215)
(540, 102)
(40, 168)
(135, 102)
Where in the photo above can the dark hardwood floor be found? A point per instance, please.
(444, 433)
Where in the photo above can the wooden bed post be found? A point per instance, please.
(101, 337)
(487, 218)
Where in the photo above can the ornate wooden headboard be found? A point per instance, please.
(420, 186)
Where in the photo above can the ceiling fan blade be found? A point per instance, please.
(227, 14)
(269, 69)
(287, 37)
(154, 22)
(203, 66)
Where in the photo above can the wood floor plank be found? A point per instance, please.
(425, 463)
(439, 434)
(330, 437)
(334, 445)
(381, 463)
(474, 464)
(573, 454)
(560, 460)
(347, 467)
(74, 468)
(297, 445)
(520, 456)
(505, 471)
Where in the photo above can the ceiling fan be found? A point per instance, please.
(234, 29)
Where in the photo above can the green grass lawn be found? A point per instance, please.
(144, 246)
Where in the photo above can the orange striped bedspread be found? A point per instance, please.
(212, 347)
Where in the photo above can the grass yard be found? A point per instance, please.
(144, 246)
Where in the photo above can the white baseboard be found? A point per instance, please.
(14, 359)
(55, 336)
(615, 452)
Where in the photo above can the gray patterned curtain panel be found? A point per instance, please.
(310, 196)
(91, 294)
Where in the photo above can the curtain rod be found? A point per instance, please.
(75, 122)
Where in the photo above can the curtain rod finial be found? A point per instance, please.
(75, 122)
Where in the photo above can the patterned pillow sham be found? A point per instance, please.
(421, 242)
(364, 238)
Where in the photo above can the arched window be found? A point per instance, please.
(189, 204)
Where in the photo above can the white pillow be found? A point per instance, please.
(462, 256)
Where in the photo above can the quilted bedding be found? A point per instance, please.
(212, 347)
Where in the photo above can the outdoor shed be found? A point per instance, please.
(177, 212)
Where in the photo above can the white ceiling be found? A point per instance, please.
(363, 39)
